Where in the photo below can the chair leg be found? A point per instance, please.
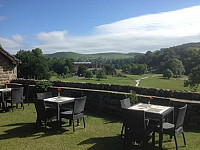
(176, 142)
(22, 105)
(73, 126)
(153, 138)
(122, 131)
(12, 106)
(84, 122)
(184, 138)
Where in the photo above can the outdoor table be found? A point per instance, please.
(3, 92)
(59, 101)
(156, 112)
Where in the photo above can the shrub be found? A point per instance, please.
(42, 86)
(133, 97)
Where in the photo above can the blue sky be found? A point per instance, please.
(97, 26)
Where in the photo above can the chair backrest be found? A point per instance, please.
(79, 105)
(40, 108)
(44, 95)
(125, 103)
(181, 116)
(134, 120)
(76, 94)
(26, 90)
(17, 94)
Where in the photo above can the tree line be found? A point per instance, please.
(171, 62)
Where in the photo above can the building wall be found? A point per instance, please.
(8, 71)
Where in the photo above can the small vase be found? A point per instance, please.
(58, 94)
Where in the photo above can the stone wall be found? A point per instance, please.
(8, 71)
(108, 101)
(188, 95)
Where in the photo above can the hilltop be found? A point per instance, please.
(77, 56)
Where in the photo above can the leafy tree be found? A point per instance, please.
(101, 74)
(168, 73)
(61, 66)
(110, 70)
(193, 79)
(34, 65)
(139, 69)
(176, 67)
(81, 71)
(88, 74)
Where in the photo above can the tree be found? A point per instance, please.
(168, 73)
(34, 65)
(110, 70)
(101, 74)
(193, 79)
(176, 66)
(88, 74)
(81, 71)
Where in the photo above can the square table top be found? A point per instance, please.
(60, 99)
(158, 109)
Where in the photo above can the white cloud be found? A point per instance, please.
(2, 18)
(14, 44)
(138, 34)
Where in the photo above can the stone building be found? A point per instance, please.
(8, 67)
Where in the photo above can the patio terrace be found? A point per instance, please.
(102, 132)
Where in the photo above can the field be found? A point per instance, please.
(102, 132)
(151, 80)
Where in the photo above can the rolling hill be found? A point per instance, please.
(77, 56)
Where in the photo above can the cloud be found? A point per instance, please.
(14, 44)
(137, 34)
(2, 18)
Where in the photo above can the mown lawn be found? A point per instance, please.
(153, 80)
(17, 131)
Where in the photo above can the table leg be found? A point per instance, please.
(3, 103)
(58, 116)
(161, 133)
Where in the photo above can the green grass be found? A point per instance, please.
(153, 81)
(108, 80)
(157, 81)
(17, 131)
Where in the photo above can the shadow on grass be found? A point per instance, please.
(23, 130)
(114, 143)
(108, 118)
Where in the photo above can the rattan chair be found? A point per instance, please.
(76, 113)
(16, 97)
(177, 128)
(136, 127)
(43, 114)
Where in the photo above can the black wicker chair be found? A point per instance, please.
(26, 92)
(16, 97)
(43, 114)
(177, 128)
(76, 113)
(136, 127)
(125, 104)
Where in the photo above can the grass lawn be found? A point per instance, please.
(153, 80)
(157, 81)
(110, 80)
(17, 131)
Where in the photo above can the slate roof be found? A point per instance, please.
(9, 56)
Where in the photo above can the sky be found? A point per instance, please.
(97, 26)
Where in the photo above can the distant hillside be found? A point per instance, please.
(77, 56)
(188, 54)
